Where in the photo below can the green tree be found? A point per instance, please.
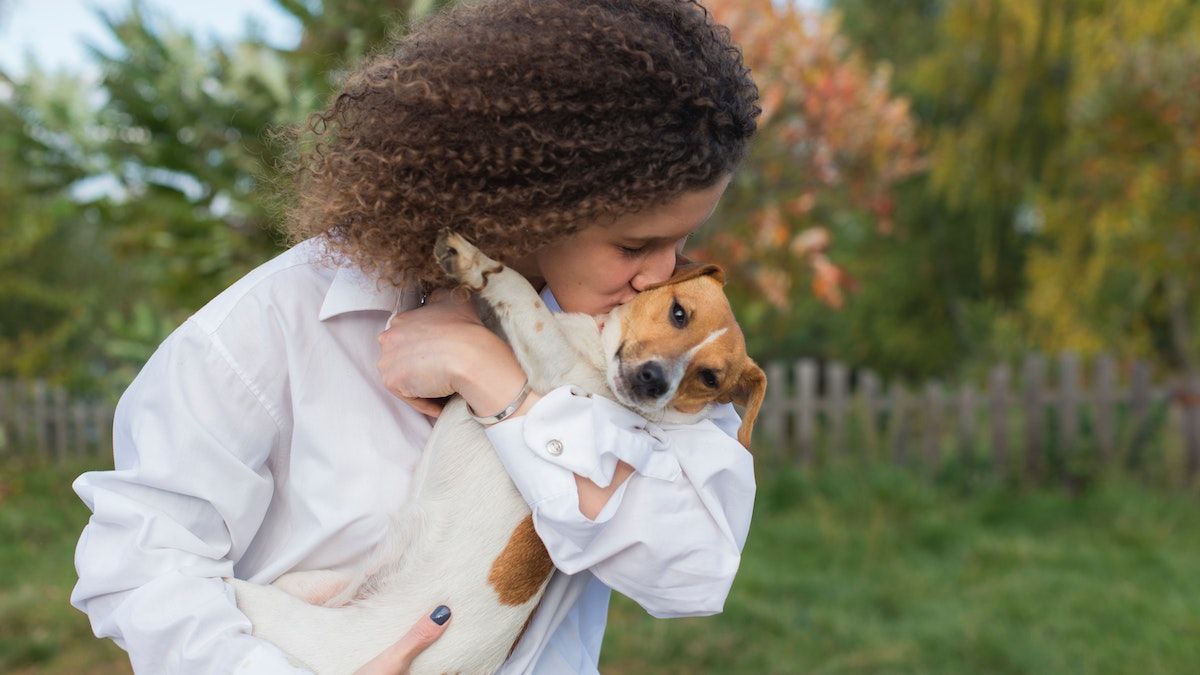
(53, 265)
(1061, 136)
(1118, 265)
(140, 199)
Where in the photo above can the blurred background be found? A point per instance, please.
(966, 246)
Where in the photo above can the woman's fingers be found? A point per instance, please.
(418, 638)
(427, 406)
(397, 659)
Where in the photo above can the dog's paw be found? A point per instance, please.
(462, 261)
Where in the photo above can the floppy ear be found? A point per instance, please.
(749, 393)
(691, 271)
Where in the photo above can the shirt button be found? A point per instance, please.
(554, 447)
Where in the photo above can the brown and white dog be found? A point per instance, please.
(670, 354)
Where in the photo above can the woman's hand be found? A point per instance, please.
(440, 349)
(397, 659)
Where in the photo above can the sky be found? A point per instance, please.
(54, 32)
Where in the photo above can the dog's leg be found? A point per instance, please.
(509, 306)
(316, 587)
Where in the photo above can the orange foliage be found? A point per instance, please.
(832, 141)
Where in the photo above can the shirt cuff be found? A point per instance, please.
(570, 432)
(586, 435)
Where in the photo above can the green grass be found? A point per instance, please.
(40, 521)
(875, 571)
(851, 571)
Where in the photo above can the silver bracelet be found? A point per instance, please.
(508, 409)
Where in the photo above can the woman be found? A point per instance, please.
(579, 141)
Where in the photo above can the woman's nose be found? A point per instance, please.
(656, 268)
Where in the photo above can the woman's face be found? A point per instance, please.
(606, 264)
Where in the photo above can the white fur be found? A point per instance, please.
(440, 548)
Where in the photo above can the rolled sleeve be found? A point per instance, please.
(671, 536)
(188, 492)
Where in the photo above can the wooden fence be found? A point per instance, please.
(1036, 421)
(1046, 417)
(48, 422)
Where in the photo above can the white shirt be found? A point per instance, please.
(259, 440)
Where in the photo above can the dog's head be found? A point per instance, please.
(677, 345)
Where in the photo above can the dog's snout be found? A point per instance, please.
(650, 380)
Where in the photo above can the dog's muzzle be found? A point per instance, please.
(649, 381)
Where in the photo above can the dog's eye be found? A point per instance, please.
(709, 378)
(679, 317)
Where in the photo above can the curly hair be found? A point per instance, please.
(517, 123)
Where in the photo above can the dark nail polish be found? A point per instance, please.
(440, 615)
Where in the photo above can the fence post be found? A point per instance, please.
(869, 390)
(775, 421)
(21, 415)
(79, 439)
(806, 397)
(1103, 406)
(61, 417)
(1139, 409)
(998, 409)
(7, 415)
(39, 418)
(966, 421)
(1190, 419)
(1033, 378)
(1068, 408)
(932, 427)
(898, 423)
(837, 378)
(102, 417)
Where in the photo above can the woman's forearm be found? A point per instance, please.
(489, 385)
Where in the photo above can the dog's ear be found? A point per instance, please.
(749, 392)
(691, 271)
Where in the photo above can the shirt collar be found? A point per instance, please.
(550, 300)
(352, 291)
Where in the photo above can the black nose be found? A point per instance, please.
(650, 381)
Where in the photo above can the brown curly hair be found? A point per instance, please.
(517, 122)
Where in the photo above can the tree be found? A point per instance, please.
(128, 215)
(833, 146)
(1062, 166)
(52, 261)
(1118, 265)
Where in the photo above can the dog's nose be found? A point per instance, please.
(650, 381)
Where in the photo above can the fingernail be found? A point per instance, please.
(440, 615)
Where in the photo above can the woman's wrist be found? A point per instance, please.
(490, 379)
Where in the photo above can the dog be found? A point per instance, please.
(669, 354)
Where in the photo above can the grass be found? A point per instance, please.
(40, 521)
(853, 570)
(874, 571)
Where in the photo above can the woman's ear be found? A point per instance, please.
(749, 392)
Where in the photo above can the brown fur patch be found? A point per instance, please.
(537, 327)
(522, 567)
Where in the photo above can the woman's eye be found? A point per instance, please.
(632, 251)
(678, 316)
(709, 378)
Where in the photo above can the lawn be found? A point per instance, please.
(855, 570)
